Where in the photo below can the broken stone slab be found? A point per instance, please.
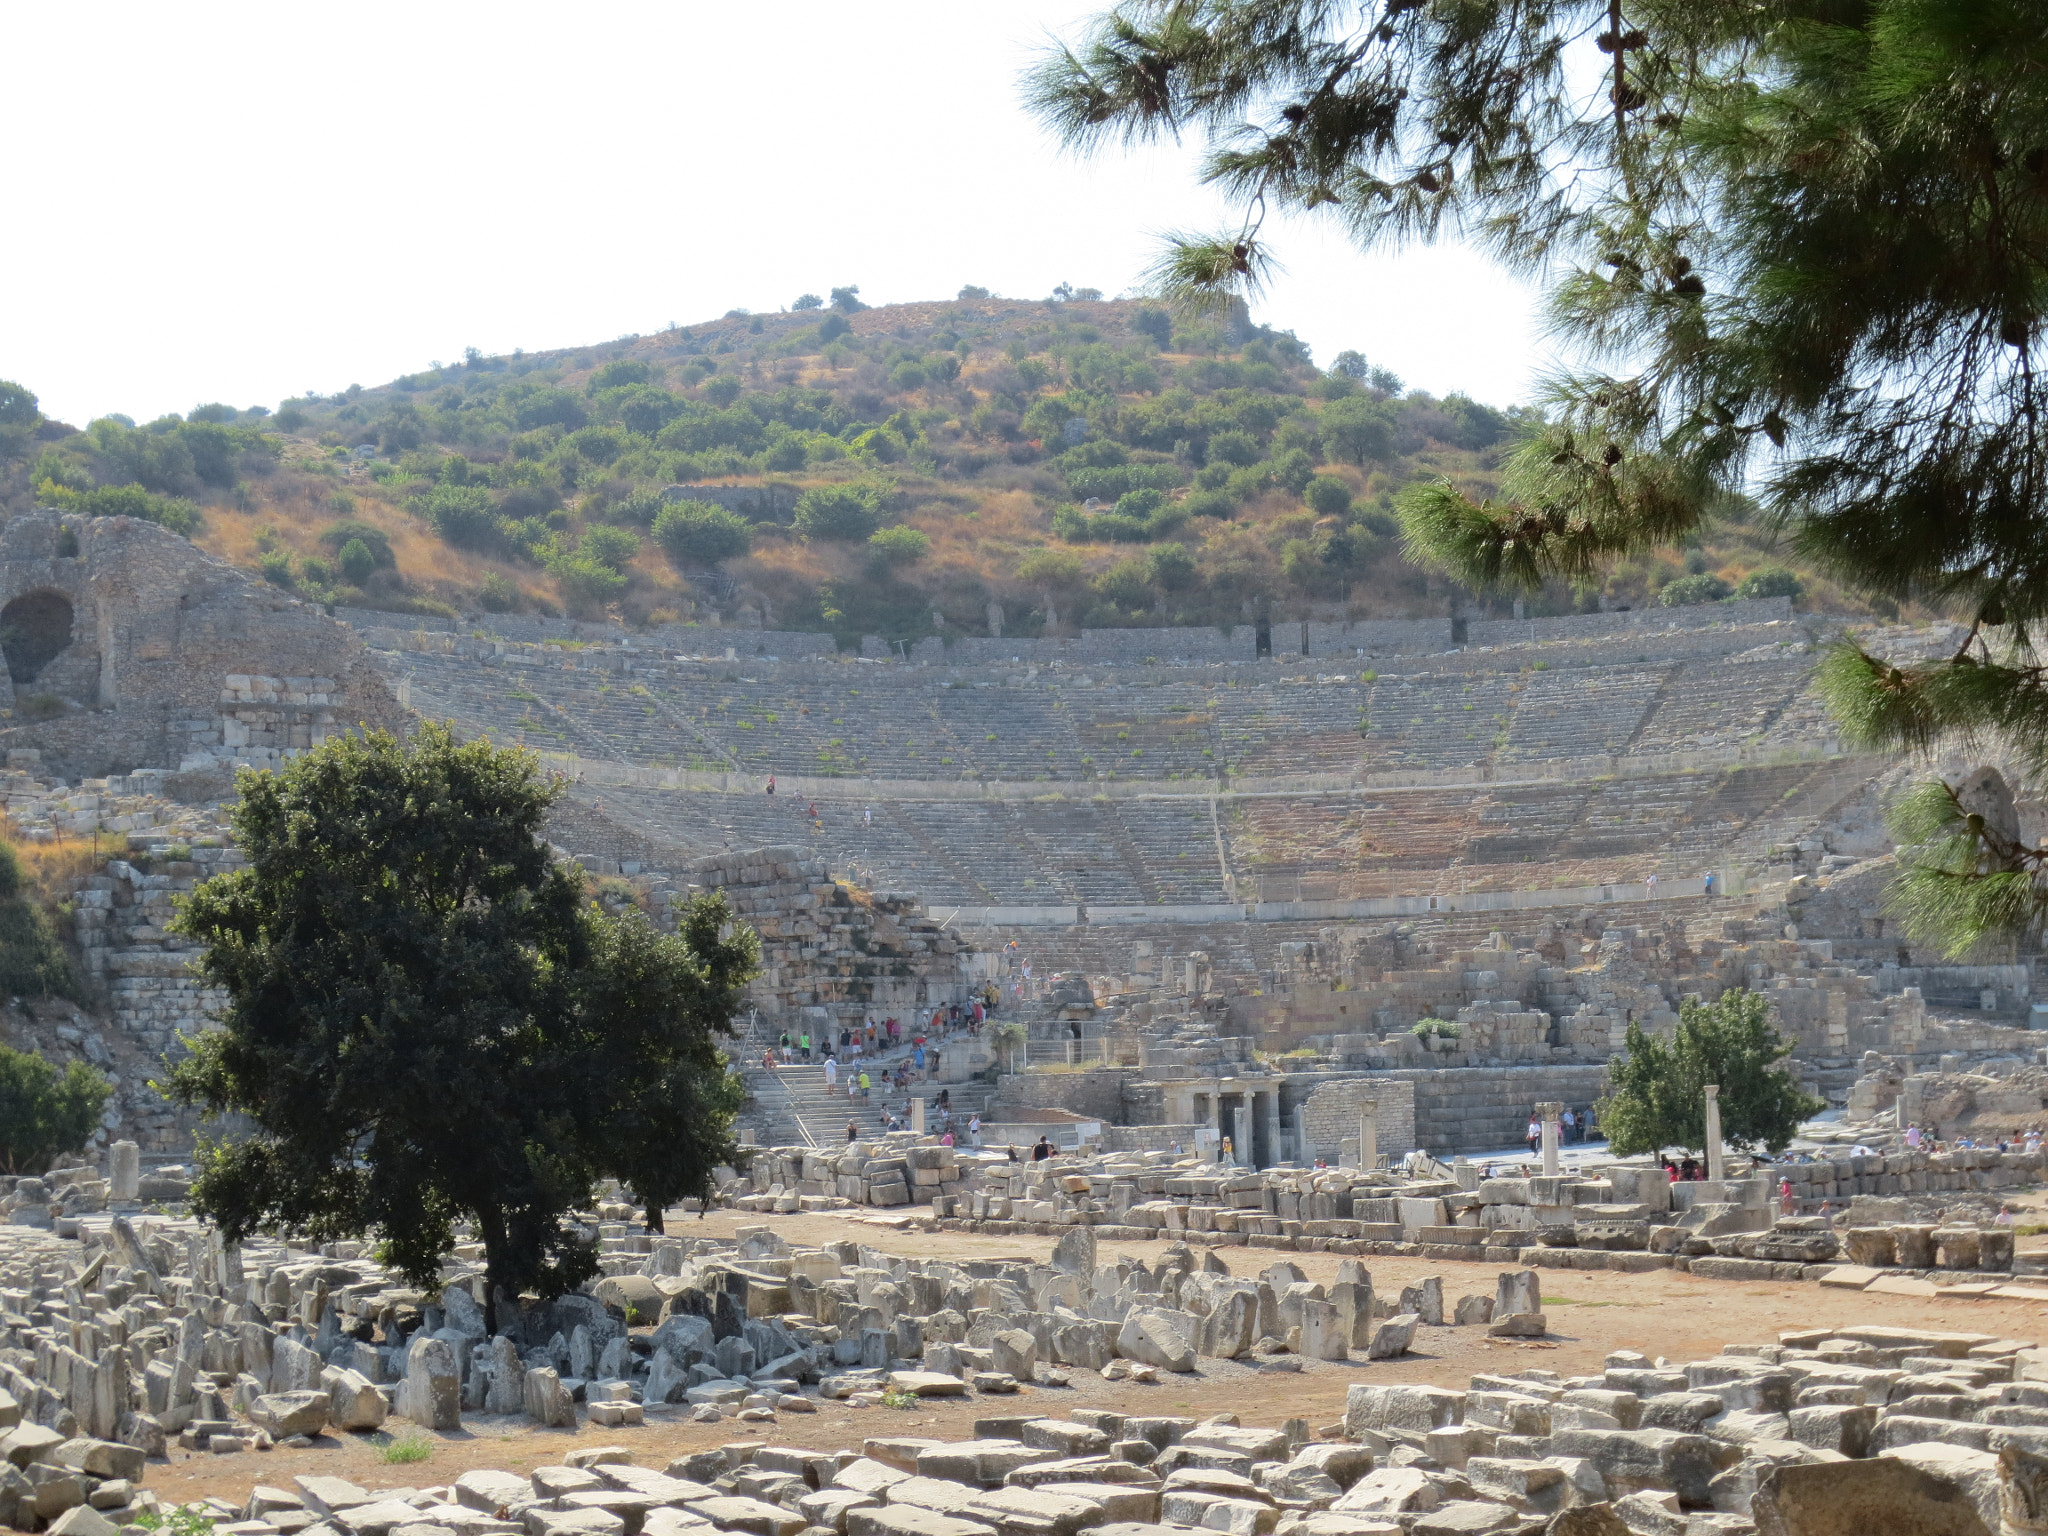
(1519, 1325)
(1653, 1460)
(910, 1520)
(927, 1384)
(546, 1400)
(431, 1393)
(1162, 1337)
(284, 1414)
(1517, 1290)
(1880, 1494)
(1393, 1337)
(978, 1463)
(1472, 1310)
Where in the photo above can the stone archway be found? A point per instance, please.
(34, 629)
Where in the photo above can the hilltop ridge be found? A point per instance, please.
(972, 466)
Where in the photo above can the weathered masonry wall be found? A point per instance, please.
(143, 651)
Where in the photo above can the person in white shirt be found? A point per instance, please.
(831, 1073)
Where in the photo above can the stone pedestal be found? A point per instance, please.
(917, 1115)
(125, 1171)
(1368, 1134)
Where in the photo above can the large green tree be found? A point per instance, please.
(44, 1112)
(1657, 1092)
(429, 1022)
(1797, 250)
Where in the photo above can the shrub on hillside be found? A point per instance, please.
(1327, 496)
(893, 547)
(461, 514)
(1688, 590)
(356, 562)
(172, 512)
(1771, 581)
(699, 533)
(338, 535)
(846, 512)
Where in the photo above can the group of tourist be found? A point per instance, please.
(1572, 1126)
(1919, 1138)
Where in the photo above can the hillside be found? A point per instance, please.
(968, 467)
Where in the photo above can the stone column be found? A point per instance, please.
(1303, 1152)
(1716, 1165)
(1269, 1106)
(917, 1115)
(1546, 1115)
(124, 1171)
(1241, 1144)
(1368, 1134)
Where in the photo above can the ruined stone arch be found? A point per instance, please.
(35, 628)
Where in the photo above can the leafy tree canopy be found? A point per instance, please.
(1657, 1093)
(850, 512)
(44, 1112)
(700, 533)
(427, 1022)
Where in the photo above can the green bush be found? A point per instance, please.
(699, 533)
(890, 547)
(172, 512)
(357, 563)
(609, 547)
(847, 512)
(1128, 583)
(277, 569)
(1327, 496)
(620, 371)
(347, 530)
(461, 514)
(586, 584)
(45, 1113)
(1233, 447)
(1771, 581)
(498, 594)
(1173, 568)
(1688, 590)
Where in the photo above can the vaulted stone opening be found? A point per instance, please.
(34, 629)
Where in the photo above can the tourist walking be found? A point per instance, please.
(1535, 1133)
(864, 1084)
(831, 1073)
(852, 1131)
(974, 1133)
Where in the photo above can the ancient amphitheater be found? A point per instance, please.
(1250, 861)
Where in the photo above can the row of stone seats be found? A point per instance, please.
(807, 718)
(1723, 706)
(1580, 714)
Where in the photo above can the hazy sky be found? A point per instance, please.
(240, 202)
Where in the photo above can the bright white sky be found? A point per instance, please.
(239, 202)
